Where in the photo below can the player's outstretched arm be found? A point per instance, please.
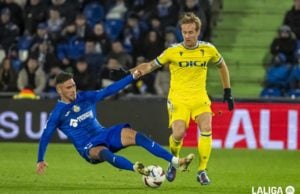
(145, 68)
(40, 167)
(117, 86)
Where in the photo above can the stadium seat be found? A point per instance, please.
(278, 75)
(270, 92)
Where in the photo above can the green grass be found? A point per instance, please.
(231, 171)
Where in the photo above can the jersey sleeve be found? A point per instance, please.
(51, 126)
(216, 56)
(163, 58)
(110, 90)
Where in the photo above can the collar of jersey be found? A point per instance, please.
(196, 46)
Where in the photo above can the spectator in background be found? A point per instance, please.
(277, 76)
(8, 30)
(167, 12)
(70, 48)
(155, 24)
(46, 56)
(112, 63)
(8, 77)
(82, 29)
(116, 10)
(216, 7)
(119, 53)
(67, 10)
(133, 34)
(102, 42)
(170, 37)
(50, 86)
(162, 81)
(82, 77)
(13, 55)
(284, 43)
(142, 8)
(93, 59)
(292, 18)
(195, 7)
(41, 35)
(294, 79)
(35, 12)
(145, 85)
(32, 76)
(2, 53)
(151, 46)
(54, 23)
(15, 13)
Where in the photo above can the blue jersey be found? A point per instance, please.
(78, 118)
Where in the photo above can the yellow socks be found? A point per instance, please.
(204, 149)
(175, 146)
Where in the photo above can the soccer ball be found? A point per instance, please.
(155, 178)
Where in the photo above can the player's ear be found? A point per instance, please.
(58, 89)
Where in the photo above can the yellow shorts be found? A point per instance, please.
(185, 110)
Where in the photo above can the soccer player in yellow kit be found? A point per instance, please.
(188, 62)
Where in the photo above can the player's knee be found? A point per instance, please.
(205, 128)
(178, 134)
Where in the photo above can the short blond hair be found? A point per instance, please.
(188, 18)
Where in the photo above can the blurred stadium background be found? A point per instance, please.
(255, 147)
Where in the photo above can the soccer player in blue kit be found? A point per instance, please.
(75, 115)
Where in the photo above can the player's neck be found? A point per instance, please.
(190, 46)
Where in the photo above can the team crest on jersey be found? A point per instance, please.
(202, 52)
(76, 108)
(180, 53)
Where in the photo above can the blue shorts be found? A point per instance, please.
(110, 138)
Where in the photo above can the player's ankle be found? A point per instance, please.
(176, 162)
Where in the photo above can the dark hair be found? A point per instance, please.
(62, 77)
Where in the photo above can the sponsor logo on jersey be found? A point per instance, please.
(84, 116)
(192, 64)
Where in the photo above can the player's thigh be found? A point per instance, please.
(178, 111)
(128, 137)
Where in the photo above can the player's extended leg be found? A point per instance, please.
(204, 121)
(175, 144)
(131, 137)
(102, 153)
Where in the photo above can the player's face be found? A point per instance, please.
(67, 91)
(190, 34)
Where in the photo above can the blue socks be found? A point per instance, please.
(140, 140)
(152, 147)
(115, 160)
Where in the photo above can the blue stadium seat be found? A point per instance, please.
(278, 75)
(113, 28)
(270, 92)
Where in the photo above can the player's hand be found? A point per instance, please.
(116, 74)
(136, 74)
(228, 98)
(40, 167)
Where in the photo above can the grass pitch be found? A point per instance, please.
(231, 171)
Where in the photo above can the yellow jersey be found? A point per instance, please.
(188, 68)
